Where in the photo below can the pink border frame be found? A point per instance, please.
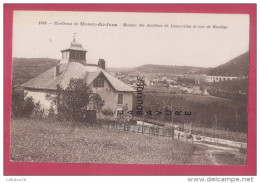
(17, 168)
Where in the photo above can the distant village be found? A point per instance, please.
(176, 84)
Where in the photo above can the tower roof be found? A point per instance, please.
(75, 46)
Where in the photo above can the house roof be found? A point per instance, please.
(49, 81)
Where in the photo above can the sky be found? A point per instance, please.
(183, 39)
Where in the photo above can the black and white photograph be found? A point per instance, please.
(129, 88)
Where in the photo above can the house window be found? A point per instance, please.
(78, 55)
(82, 56)
(120, 99)
(98, 82)
(72, 54)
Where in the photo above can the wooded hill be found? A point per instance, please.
(165, 69)
(25, 69)
(235, 67)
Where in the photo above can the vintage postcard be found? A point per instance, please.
(130, 88)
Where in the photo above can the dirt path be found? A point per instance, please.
(210, 153)
(217, 147)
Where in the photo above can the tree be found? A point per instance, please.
(22, 106)
(74, 102)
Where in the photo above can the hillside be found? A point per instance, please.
(25, 69)
(235, 67)
(171, 69)
(53, 141)
(166, 69)
(49, 141)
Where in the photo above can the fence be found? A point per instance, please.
(143, 129)
(169, 132)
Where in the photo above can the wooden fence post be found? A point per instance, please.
(153, 129)
(172, 133)
(143, 127)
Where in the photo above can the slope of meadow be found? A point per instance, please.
(48, 141)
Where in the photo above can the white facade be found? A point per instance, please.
(40, 96)
(111, 97)
(106, 93)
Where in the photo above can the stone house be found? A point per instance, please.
(113, 91)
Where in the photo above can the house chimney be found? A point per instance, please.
(57, 70)
(102, 64)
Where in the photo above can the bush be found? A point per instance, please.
(108, 113)
(173, 92)
(38, 112)
(51, 112)
(21, 106)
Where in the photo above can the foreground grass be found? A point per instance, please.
(233, 158)
(49, 141)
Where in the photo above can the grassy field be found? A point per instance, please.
(203, 99)
(52, 141)
(47, 141)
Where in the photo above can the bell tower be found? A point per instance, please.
(75, 53)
